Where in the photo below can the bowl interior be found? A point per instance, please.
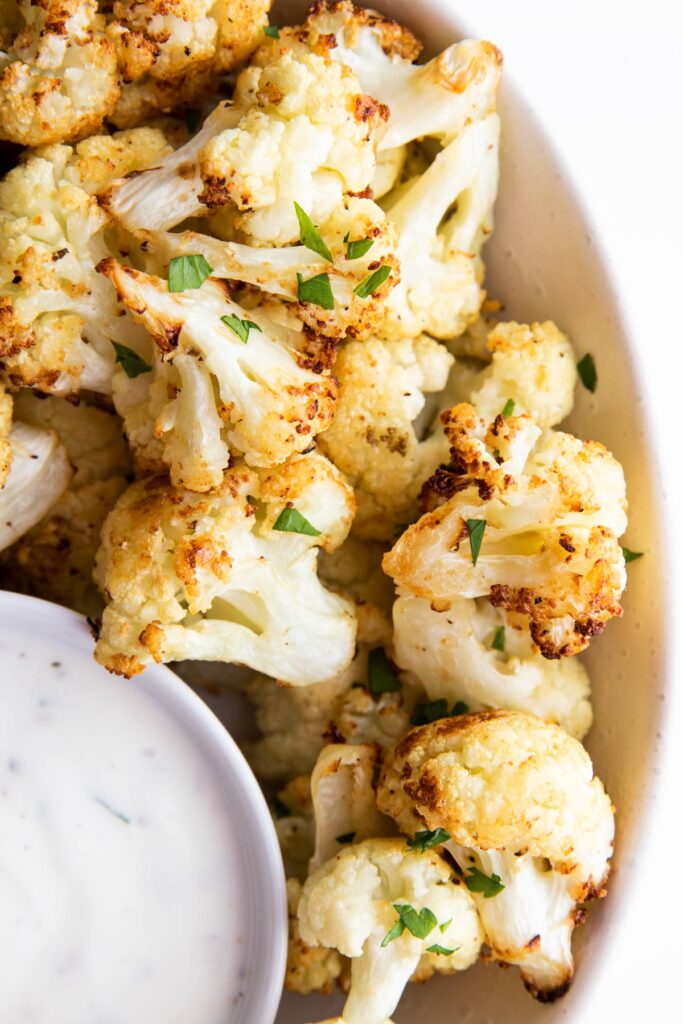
(544, 263)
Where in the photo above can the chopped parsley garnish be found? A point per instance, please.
(186, 272)
(498, 642)
(240, 327)
(290, 520)
(381, 676)
(488, 886)
(317, 290)
(192, 119)
(460, 708)
(475, 531)
(358, 248)
(509, 407)
(444, 926)
(280, 808)
(418, 922)
(309, 234)
(587, 372)
(348, 837)
(133, 365)
(433, 710)
(112, 810)
(428, 838)
(436, 948)
(271, 30)
(630, 556)
(371, 283)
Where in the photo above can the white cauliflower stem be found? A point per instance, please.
(350, 903)
(210, 577)
(530, 827)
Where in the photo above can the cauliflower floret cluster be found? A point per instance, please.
(530, 521)
(527, 822)
(58, 317)
(172, 53)
(229, 575)
(58, 77)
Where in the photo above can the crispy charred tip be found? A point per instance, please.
(548, 995)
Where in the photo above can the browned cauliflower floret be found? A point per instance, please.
(171, 53)
(229, 575)
(58, 317)
(373, 440)
(58, 76)
(55, 559)
(309, 968)
(517, 805)
(530, 521)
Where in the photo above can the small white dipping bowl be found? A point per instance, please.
(98, 775)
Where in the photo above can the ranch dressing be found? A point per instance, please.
(117, 901)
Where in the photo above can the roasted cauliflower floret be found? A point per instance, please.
(356, 568)
(58, 317)
(34, 472)
(310, 137)
(372, 438)
(528, 824)
(443, 218)
(278, 271)
(309, 968)
(225, 392)
(58, 77)
(385, 906)
(529, 521)
(295, 826)
(230, 575)
(471, 652)
(54, 560)
(532, 367)
(171, 53)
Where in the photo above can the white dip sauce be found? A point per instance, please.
(117, 902)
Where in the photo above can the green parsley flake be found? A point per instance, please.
(358, 248)
(418, 922)
(509, 407)
(428, 838)
(460, 708)
(317, 290)
(475, 531)
(192, 120)
(430, 711)
(291, 521)
(630, 556)
(348, 837)
(309, 234)
(133, 365)
(271, 30)
(587, 372)
(487, 886)
(436, 948)
(240, 327)
(381, 676)
(372, 283)
(187, 272)
(444, 926)
(498, 642)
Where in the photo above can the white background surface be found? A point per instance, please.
(606, 81)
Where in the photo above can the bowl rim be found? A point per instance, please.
(260, 862)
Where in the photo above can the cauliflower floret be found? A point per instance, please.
(171, 53)
(230, 575)
(309, 968)
(34, 471)
(433, 99)
(552, 508)
(311, 137)
(384, 906)
(532, 366)
(58, 317)
(439, 245)
(522, 807)
(294, 825)
(382, 387)
(356, 568)
(296, 722)
(277, 271)
(471, 652)
(58, 77)
(54, 560)
(256, 396)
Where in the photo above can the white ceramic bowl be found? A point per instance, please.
(544, 262)
(256, 865)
